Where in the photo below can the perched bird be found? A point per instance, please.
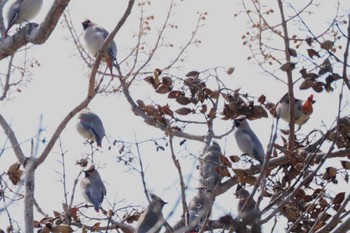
(209, 167)
(302, 109)
(20, 11)
(90, 126)
(247, 141)
(199, 206)
(92, 187)
(94, 37)
(151, 220)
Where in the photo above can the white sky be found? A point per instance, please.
(60, 83)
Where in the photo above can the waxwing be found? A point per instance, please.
(151, 220)
(247, 141)
(209, 167)
(199, 206)
(92, 187)
(90, 126)
(20, 11)
(94, 37)
(302, 111)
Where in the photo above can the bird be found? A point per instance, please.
(92, 187)
(151, 220)
(209, 167)
(198, 208)
(94, 37)
(247, 141)
(20, 11)
(90, 126)
(302, 109)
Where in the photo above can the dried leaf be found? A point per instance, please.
(262, 99)
(96, 227)
(289, 66)
(318, 86)
(183, 100)
(292, 52)
(230, 70)
(163, 89)
(327, 45)
(166, 110)
(306, 84)
(248, 180)
(14, 173)
(166, 80)
(184, 111)
(214, 94)
(309, 41)
(345, 164)
(212, 113)
(194, 74)
(62, 228)
(175, 94)
(234, 158)
(339, 198)
(204, 108)
(312, 53)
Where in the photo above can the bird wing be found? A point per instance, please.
(257, 148)
(13, 13)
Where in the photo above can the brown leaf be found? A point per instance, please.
(312, 53)
(73, 213)
(318, 87)
(248, 180)
(292, 52)
(306, 84)
(14, 173)
(166, 80)
(184, 111)
(339, 198)
(309, 40)
(225, 161)
(166, 110)
(163, 89)
(183, 100)
(175, 94)
(214, 94)
(62, 228)
(96, 227)
(235, 158)
(345, 164)
(204, 108)
(140, 103)
(230, 70)
(259, 112)
(262, 99)
(194, 74)
(327, 45)
(289, 66)
(212, 113)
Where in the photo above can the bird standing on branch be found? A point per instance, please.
(302, 109)
(247, 141)
(94, 37)
(92, 187)
(20, 11)
(151, 220)
(90, 126)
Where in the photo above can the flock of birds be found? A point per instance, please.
(91, 127)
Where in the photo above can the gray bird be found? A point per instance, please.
(247, 141)
(151, 220)
(92, 187)
(20, 11)
(90, 126)
(94, 37)
(302, 109)
(209, 167)
(199, 206)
